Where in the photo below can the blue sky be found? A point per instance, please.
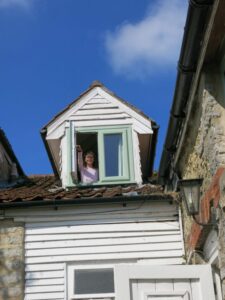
(51, 50)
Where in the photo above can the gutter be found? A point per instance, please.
(197, 17)
(103, 200)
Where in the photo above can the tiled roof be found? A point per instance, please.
(47, 187)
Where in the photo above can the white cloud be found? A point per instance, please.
(153, 42)
(15, 3)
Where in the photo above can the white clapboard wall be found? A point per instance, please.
(140, 232)
(100, 111)
(103, 109)
(99, 108)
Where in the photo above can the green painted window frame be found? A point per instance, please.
(127, 150)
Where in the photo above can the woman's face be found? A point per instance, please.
(89, 159)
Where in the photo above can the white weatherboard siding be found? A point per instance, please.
(164, 282)
(99, 108)
(140, 232)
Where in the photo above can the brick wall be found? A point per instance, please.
(11, 260)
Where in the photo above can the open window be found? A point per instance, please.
(113, 154)
(88, 141)
(91, 282)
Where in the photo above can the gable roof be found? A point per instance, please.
(9, 150)
(94, 84)
(148, 122)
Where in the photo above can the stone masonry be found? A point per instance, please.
(205, 149)
(11, 260)
(205, 158)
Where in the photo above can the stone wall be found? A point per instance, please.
(203, 156)
(11, 260)
(222, 233)
(204, 151)
(208, 151)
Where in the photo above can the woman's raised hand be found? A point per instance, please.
(79, 149)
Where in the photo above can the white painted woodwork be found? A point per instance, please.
(164, 282)
(99, 117)
(97, 108)
(58, 132)
(210, 248)
(95, 233)
(93, 112)
(63, 160)
(137, 165)
(105, 104)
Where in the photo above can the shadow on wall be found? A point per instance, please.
(215, 82)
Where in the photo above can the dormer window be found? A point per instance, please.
(120, 138)
(113, 155)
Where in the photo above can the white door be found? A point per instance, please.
(184, 282)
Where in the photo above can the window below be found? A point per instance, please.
(91, 283)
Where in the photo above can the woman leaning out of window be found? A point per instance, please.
(88, 173)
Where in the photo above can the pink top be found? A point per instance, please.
(88, 175)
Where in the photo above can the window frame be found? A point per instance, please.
(71, 280)
(127, 150)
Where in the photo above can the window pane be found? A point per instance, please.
(113, 154)
(94, 281)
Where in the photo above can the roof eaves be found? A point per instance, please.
(156, 197)
(8, 147)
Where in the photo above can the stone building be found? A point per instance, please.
(11, 233)
(195, 141)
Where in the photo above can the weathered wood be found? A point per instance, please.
(43, 274)
(146, 226)
(112, 235)
(44, 289)
(77, 250)
(44, 267)
(150, 240)
(45, 296)
(103, 116)
(41, 282)
(152, 208)
(97, 234)
(97, 111)
(104, 256)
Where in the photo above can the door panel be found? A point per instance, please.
(135, 282)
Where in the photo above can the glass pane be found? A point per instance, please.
(93, 281)
(113, 154)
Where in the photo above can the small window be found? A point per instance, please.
(91, 283)
(112, 156)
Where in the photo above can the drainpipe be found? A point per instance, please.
(197, 16)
